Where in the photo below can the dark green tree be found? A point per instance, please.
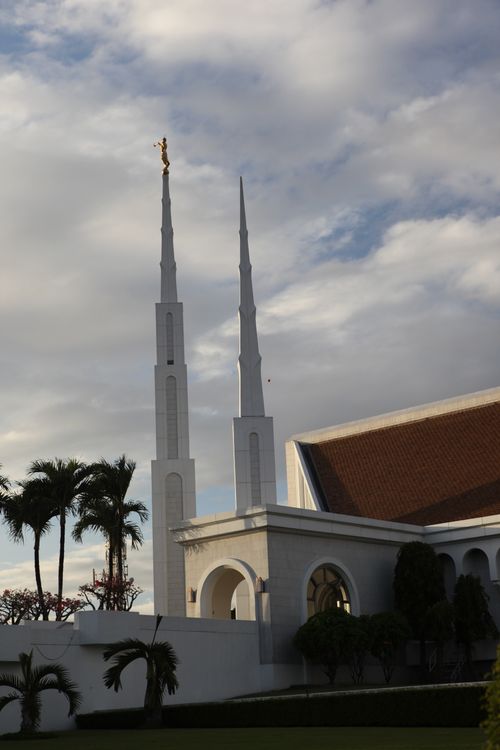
(65, 481)
(439, 629)
(30, 507)
(389, 630)
(161, 663)
(358, 643)
(418, 585)
(325, 639)
(33, 681)
(473, 620)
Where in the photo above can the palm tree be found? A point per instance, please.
(161, 663)
(104, 509)
(34, 508)
(65, 481)
(31, 683)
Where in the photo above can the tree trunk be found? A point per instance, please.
(109, 587)
(27, 722)
(60, 572)
(38, 578)
(152, 699)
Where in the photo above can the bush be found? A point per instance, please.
(326, 638)
(389, 630)
(491, 725)
(408, 707)
(130, 718)
(419, 707)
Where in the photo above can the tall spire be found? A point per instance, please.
(167, 264)
(253, 436)
(251, 396)
(172, 471)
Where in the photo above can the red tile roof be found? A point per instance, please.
(433, 470)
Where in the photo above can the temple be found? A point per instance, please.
(356, 493)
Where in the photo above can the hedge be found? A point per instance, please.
(432, 706)
(121, 719)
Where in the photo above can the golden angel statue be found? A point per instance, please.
(163, 154)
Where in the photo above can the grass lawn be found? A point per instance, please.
(288, 738)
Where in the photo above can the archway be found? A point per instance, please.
(449, 574)
(227, 591)
(476, 562)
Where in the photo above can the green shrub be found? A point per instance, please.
(491, 725)
(130, 718)
(438, 707)
(431, 706)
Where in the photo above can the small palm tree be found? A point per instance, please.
(161, 663)
(34, 508)
(31, 683)
(65, 481)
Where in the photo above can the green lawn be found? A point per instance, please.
(289, 738)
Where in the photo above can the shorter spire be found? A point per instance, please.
(251, 395)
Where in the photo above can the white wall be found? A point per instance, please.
(218, 659)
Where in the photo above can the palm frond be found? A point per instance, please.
(112, 676)
(67, 688)
(11, 681)
(127, 644)
(9, 698)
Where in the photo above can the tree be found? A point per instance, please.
(31, 507)
(491, 725)
(324, 638)
(65, 481)
(23, 604)
(389, 631)
(15, 605)
(104, 509)
(473, 620)
(161, 663)
(439, 628)
(358, 642)
(418, 585)
(31, 683)
(118, 594)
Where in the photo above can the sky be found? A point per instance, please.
(366, 132)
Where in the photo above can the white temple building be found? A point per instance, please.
(356, 493)
(234, 587)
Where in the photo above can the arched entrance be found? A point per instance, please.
(227, 591)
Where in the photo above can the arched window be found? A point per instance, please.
(254, 468)
(170, 339)
(173, 494)
(172, 437)
(326, 589)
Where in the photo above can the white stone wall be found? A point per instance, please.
(218, 659)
